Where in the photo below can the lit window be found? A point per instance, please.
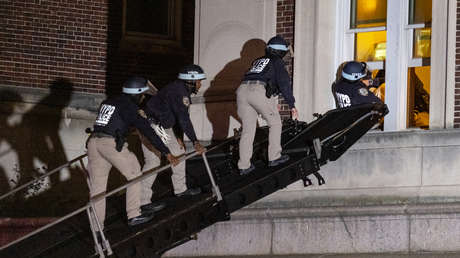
(422, 43)
(418, 76)
(370, 46)
(418, 92)
(368, 13)
(419, 11)
(368, 20)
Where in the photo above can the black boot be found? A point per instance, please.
(143, 218)
(190, 192)
(278, 161)
(153, 207)
(247, 170)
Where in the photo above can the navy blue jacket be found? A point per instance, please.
(271, 69)
(117, 114)
(171, 107)
(347, 93)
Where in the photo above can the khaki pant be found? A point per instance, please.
(102, 155)
(251, 101)
(152, 159)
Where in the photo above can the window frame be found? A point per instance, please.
(399, 59)
(155, 42)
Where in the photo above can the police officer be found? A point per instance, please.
(258, 94)
(169, 110)
(351, 89)
(107, 148)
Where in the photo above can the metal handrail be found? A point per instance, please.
(97, 198)
(42, 176)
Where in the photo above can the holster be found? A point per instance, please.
(271, 89)
(119, 141)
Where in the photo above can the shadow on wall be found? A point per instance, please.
(223, 89)
(11, 102)
(34, 138)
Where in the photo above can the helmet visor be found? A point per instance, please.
(278, 47)
(135, 90)
(192, 76)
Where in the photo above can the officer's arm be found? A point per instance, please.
(374, 99)
(284, 83)
(182, 114)
(364, 97)
(144, 127)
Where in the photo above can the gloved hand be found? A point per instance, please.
(294, 114)
(172, 159)
(199, 148)
(382, 107)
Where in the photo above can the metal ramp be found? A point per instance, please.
(309, 146)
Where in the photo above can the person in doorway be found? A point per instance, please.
(352, 87)
(106, 148)
(166, 111)
(258, 94)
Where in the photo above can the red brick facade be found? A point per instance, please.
(44, 40)
(80, 41)
(285, 27)
(41, 41)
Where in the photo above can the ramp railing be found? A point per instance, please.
(89, 207)
(42, 176)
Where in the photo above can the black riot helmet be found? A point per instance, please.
(353, 71)
(191, 74)
(135, 85)
(277, 46)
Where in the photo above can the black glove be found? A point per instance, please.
(383, 108)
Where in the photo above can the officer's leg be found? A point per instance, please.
(98, 169)
(127, 163)
(269, 110)
(152, 160)
(249, 123)
(178, 175)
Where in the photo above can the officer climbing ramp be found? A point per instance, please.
(224, 190)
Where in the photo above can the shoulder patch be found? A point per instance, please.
(186, 101)
(363, 91)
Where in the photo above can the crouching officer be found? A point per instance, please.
(351, 89)
(258, 94)
(107, 148)
(167, 110)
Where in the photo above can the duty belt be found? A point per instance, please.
(254, 82)
(101, 135)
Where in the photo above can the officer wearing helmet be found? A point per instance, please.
(258, 94)
(351, 89)
(106, 148)
(168, 111)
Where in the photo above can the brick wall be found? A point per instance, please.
(285, 27)
(44, 40)
(79, 41)
(457, 72)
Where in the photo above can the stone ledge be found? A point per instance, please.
(348, 211)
